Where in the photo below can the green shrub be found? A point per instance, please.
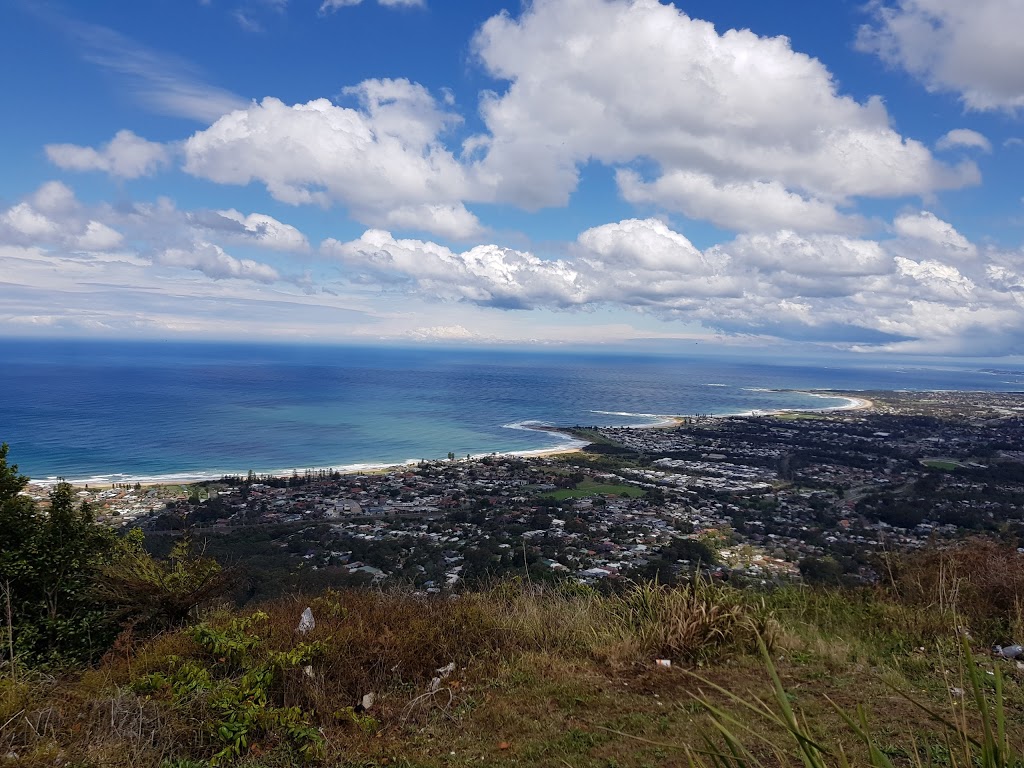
(149, 594)
(235, 690)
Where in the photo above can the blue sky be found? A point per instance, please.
(815, 177)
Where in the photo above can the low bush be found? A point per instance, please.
(237, 691)
(253, 691)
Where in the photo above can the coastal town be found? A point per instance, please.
(764, 498)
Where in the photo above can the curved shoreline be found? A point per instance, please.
(852, 404)
(570, 444)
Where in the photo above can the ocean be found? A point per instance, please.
(125, 411)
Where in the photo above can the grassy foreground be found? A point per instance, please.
(538, 676)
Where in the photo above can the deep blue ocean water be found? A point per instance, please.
(119, 411)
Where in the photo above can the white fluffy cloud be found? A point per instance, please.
(126, 156)
(383, 157)
(974, 49)
(51, 216)
(732, 128)
(99, 237)
(731, 120)
(814, 256)
(927, 226)
(964, 137)
(266, 231)
(53, 220)
(741, 205)
(214, 262)
(923, 289)
(488, 274)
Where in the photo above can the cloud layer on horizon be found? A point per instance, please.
(924, 289)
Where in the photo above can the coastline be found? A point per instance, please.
(852, 404)
(570, 445)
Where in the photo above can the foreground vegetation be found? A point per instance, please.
(123, 659)
(530, 675)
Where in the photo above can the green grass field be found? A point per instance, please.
(941, 464)
(590, 488)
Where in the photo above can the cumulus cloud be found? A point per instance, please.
(915, 291)
(972, 49)
(729, 119)
(384, 160)
(747, 206)
(487, 275)
(452, 221)
(99, 237)
(52, 216)
(22, 219)
(928, 227)
(732, 128)
(923, 288)
(964, 137)
(258, 228)
(54, 197)
(126, 156)
(816, 256)
(444, 333)
(53, 220)
(214, 262)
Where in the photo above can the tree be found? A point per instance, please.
(47, 562)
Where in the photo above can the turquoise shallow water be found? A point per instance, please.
(118, 411)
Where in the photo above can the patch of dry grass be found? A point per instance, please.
(977, 583)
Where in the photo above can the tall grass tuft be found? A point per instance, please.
(972, 739)
(698, 621)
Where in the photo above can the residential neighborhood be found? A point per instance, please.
(766, 498)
